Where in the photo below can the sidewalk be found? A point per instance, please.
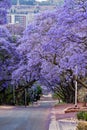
(53, 124)
(61, 120)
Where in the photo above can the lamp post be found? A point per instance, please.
(75, 86)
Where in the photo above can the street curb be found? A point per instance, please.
(53, 124)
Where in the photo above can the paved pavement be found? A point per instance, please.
(36, 117)
(63, 121)
(24, 119)
(66, 125)
(41, 116)
(53, 124)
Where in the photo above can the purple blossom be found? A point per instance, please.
(9, 57)
(4, 5)
(55, 43)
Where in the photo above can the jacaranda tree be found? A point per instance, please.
(9, 57)
(67, 48)
(4, 5)
(8, 54)
(52, 46)
(29, 48)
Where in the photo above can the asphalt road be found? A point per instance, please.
(30, 118)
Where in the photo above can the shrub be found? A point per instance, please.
(82, 115)
(85, 116)
(39, 90)
(82, 125)
(55, 96)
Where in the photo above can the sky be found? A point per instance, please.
(41, 0)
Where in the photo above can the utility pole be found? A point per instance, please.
(76, 86)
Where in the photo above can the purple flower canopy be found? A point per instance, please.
(9, 57)
(4, 5)
(54, 43)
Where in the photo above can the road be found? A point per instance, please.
(35, 117)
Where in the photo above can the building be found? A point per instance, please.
(24, 14)
(21, 14)
(22, 19)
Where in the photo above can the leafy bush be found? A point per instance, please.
(37, 93)
(82, 125)
(85, 116)
(39, 90)
(82, 115)
(55, 96)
